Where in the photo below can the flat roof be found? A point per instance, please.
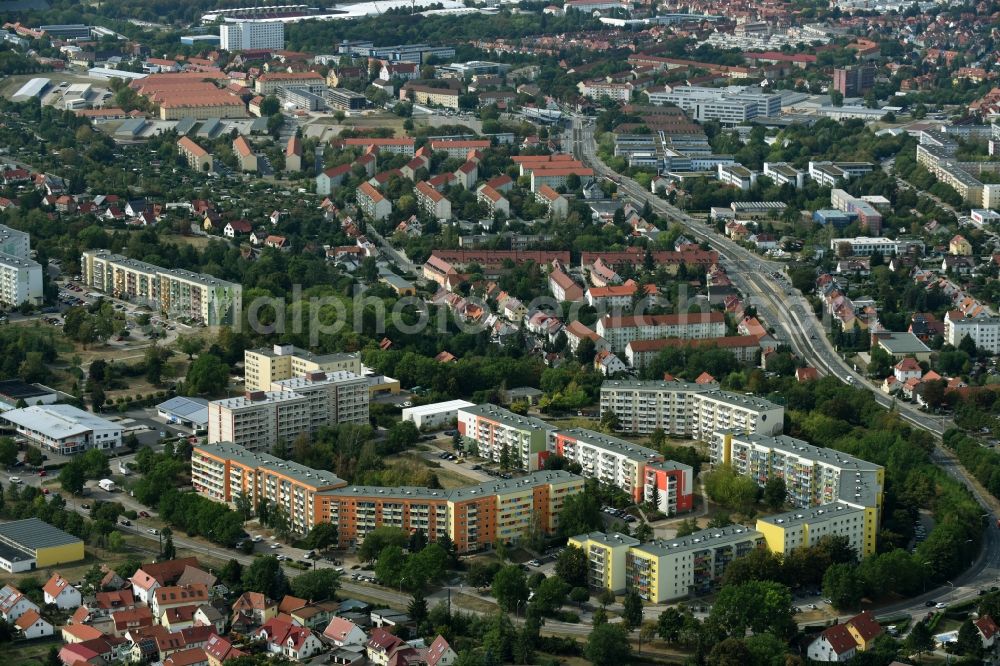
(711, 537)
(191, 409)
(903, 343)
(267, 397)
(16, 389)
(812, 515)
(32, 533)
(437, 408)
(306, 354)
(609, 443)
(57, 421)
(608, 538)
(336, 377)
(507, 417)
(493, 487)
(301, 473)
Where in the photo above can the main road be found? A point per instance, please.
(783, 307)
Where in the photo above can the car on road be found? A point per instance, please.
(811, 606)
(43, 473)
(125, 522)
(929, 604)
(940, 605)
(534, 563)
(143, 514)
(275, 546)
(152, 530)
(14, 479)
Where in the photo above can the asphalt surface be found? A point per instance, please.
(764, 284)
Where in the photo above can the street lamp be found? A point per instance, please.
(400, 588)
(517, 608)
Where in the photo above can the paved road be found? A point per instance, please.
(787, 310)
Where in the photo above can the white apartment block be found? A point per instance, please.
(336, 397)
(172, 291)
(621, 330)
(251, 36)
(20, 280)
(617, 92)
(736, 175)
(783, 173)
(495, 430)
(265, 366)
(15, 243)
(830, 173)
(259, 420)
(687, 410)
(984, 331)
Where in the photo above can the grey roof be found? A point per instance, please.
(613, 444)
(708, 390)
(903, 343)
(815, 514)
(32, 533)
(713, 537)
(57, 421)
(307, 475)
(487, 488)
(16, 389)
(131, 127)
(609, 538)
(189, 409)
(508, 418)
(185, 125)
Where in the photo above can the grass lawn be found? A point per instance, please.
(30, 652)
(469, 602)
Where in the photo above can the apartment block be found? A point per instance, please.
(432, 202)
(784, 532)
(458, 148)
(783, 173)
(295, 406)
(606, 555)
(14, 242)
(687, 410)
(984, 331)
(666, 570)
(197, 157)
(259, 420)
(268, 84)
(641, 472)
(172, 291)
(619, 331)
(20, 280)
(868, 216)
(831, 173)
(854, 81)
(496, 430)
(474, 517)
(224, 472)
(372, 202)
(641, 353)
(736, 175)
(265, 366)
(252, 36)
(814, 476)
(866, 246)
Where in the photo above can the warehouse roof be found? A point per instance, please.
(32, 533)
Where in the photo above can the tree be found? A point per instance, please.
(670, 623)
(116, 542)
(72, 477)
(579, 595)
(207, 374)
(571, 566)
(775, 493)
(632, 614)
(687, 526)
(608, 646)
(169, 550)
(755, 605)
(585, 352)
(730, 652)
(417, 610)
(402, 435)
(378, 539)
(266, 576)
(968, 345)
(321, 536)
(843, 586)
(8, 451)
(836, 98)
(969, 642)
(580, 513)
(389, 568)
(920, 639)
(316, 585)
(190, 345)
(550, 595)
(510, 587)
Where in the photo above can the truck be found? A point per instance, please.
(107, 485)
(123, 469)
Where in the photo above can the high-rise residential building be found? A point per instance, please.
(688, 410)
(639, 471)
(665, 570)
(265, 366)
(815, 478)
(606, 554)
(252, 36)
(474, 517)
(984, 331)
(784, 532)
(173, 291)
(503, 436)
(854, 81)
(295, 406)
(20, 275)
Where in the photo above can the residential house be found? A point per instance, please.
(864, 628)
(13, 604)
(988, 631)
(381, 646)
(236, 228)
(219, 650)
(343, 632)
(440, 653)
(187, 657)
(907, 369)
(835, 644)
(289, 640)
(58, 591)
(167, 597)
(130, 620)
(253, 609)
(32, 625)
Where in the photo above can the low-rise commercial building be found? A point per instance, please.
(505, 437)
(31, 543)
(435, 415)
(687, 410)
(64, 429)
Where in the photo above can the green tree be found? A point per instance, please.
(608, 646)
(207, 375)
(687, 527)
(509, 587)
(321, 536)
(417, 610)
(755, 605)
(969, 642)
(632, 613)
(8, 451)
(571, 566)
(316, 585)
(968, 345)
(190, 345)
(920, 639)
(775, 493)
(72, 477)
(116, 542)
(843, 586)
(550, 595)
(580, 513)
(169, 550)
(389, 568)
(730, 652)
(266, 576)
(670, 623)
(378, 539)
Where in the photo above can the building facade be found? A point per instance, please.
(64, 429)
(265, 366)
(619, 331)
(606, 555)
(503, 436)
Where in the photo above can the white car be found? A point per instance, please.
(940, 605)
(275, 546)
(15, 479)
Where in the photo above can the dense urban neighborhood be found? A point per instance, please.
(440, 333)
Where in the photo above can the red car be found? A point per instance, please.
(143, 514)
(45, 491)
(43, 473)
